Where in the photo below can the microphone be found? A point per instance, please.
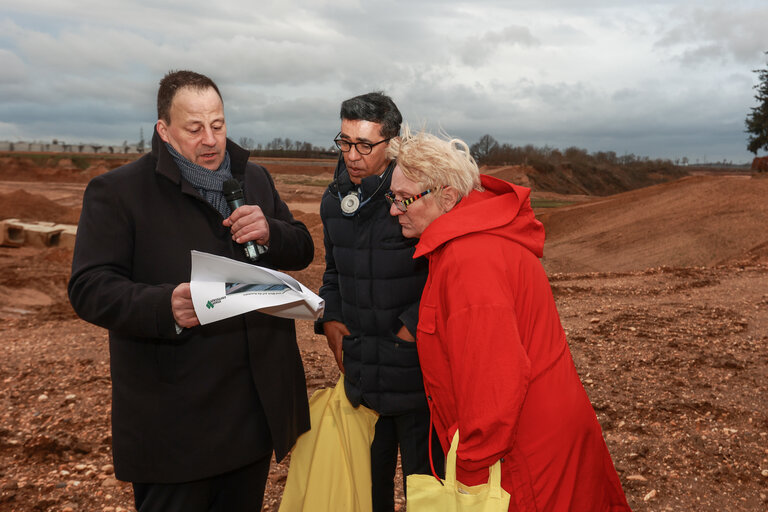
(234, 197)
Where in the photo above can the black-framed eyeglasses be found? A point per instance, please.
(402, 205)
(364, 148)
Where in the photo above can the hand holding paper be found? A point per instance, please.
(222, 288)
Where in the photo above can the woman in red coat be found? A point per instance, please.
(495, 359)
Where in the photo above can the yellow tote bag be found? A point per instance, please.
(331, 464)
(426, 493)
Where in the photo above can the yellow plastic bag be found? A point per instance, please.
(427, 494)
(331, 464)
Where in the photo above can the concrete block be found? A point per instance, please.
(11, 233)
(37, 234)
(67, 236)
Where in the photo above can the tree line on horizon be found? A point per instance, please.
(285, 147)
(486, 151)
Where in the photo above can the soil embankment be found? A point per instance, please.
(663, 292)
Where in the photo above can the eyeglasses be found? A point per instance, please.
(403, 205)
(364, 148)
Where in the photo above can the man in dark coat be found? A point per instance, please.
(371, 287)
(197, 410)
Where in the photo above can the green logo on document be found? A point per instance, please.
(211, 303)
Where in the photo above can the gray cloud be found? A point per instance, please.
(481, 50)
(14, 71)
(659, 78)
(700, 34)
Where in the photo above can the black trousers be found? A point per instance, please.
(241, 490)
(411, 432)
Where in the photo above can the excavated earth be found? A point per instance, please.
(663, 292)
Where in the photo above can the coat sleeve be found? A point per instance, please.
(329, 290)
(489, 365)
(100, 288)
(410, 317)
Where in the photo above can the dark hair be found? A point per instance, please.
(375, 107)
(170, 85)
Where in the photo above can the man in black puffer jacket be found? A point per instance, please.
(371, 287)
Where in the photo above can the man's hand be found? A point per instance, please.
(181, 305)
(405, 334)
(334, 332)
(248, 223)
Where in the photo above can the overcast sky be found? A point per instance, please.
(667, 79)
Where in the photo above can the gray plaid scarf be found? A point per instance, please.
(207, 182)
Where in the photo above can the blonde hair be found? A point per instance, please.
(434, 161)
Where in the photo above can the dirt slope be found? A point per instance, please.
(694, 221)
(23, 205)
(673, 354)
(586, 178)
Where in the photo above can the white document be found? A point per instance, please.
(222, 288)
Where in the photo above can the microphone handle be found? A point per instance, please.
(252, 249)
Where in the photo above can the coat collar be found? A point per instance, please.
(369, 185)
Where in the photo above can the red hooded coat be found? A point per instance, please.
(496, 362)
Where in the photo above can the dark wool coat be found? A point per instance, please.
(372, 284)
(212, 398)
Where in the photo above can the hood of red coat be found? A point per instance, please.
(501, 209)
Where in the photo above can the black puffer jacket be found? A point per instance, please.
(373, 286)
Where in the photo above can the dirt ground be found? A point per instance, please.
(671, 345)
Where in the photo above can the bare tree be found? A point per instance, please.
(140, 144)
(483, 148)
(245, 142)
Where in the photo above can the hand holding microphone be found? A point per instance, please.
(252, 221)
